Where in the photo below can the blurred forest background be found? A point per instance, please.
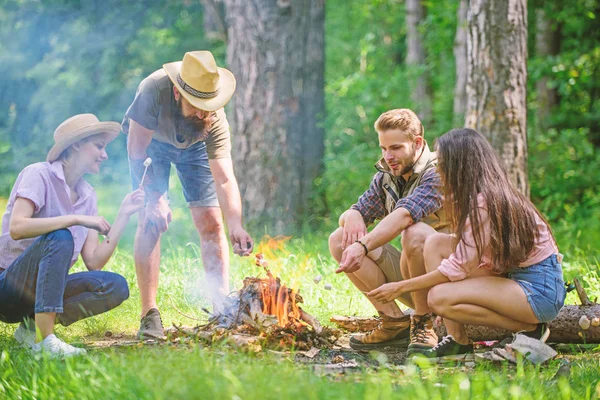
(63, 57)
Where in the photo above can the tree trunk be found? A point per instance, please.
(497, 76)
(547, 43)
(214, 19)
(564, 329)
(276, 51)
(460, 57)
(421, 91)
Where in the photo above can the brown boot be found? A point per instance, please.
(390, 332)
(422, 335)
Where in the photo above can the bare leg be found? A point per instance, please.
(485, 301)
(368, 277)
(146, 254)
(45, 323)
(215, 251)
(438, 247)
(413, 240)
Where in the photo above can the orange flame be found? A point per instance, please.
(277, 299)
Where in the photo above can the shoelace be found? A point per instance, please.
(418, 331)
(445, 339)
(147, 322)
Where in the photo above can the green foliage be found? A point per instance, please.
(365, 76)
(60, 58)
(564, 178)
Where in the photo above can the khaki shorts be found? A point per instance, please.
(389, 263)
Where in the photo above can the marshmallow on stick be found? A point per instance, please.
(147, 163)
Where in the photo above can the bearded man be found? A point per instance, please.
(405, 196)
(177, 117)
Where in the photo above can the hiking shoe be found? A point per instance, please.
(56, 348)
(151, 326)
(541, 333)
(25, 336)
(390, 332)
(422, 335)
(449, 349)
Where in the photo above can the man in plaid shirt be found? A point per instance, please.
(404, 196)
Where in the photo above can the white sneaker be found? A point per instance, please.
(56, 347)
(24, 336)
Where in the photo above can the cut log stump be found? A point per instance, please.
(564, 329)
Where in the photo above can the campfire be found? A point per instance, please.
(264, 312)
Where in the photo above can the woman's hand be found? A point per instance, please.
(387, 292)
(352, 258)
(133, 202)
(95, 222)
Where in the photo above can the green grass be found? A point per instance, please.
(195, 371)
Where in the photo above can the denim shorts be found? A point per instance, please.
(544, 286)
(192, 168)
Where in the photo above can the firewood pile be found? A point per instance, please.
(264, 313)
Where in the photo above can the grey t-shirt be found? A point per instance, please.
(154, 108)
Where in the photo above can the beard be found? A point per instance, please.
(405, 163)
(189, 129)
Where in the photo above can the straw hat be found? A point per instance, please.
(198, 79)
(79, 127)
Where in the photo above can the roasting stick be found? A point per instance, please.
(147, 163)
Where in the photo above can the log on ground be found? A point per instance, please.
(564, 329)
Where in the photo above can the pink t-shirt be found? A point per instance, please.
(44, 184)
(465, 259)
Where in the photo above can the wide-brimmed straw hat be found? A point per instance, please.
(79, 127)
(198, 79)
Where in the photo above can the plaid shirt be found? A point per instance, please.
(424, 200)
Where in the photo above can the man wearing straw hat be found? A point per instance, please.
(177, 117)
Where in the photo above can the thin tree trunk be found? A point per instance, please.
(416, 61)
(547, 43)
(497, 76)
(460, 57)
(276, 51)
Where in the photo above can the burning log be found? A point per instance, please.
(264, 311)
(564, 329)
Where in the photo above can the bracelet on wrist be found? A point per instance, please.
(363, 245)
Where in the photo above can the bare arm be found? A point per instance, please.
(138, 140)
(389, 227)
(95, 255)
(23, 225)
(390, 291)
(230, 201)
(228, 191)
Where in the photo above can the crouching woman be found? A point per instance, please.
(501, 267)
(50, 219)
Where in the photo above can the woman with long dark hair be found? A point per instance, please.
(501, 266)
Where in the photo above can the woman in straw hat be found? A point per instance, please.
(50, 219)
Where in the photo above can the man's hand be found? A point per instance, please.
(158, 216)
(354, 228)
(241, 241)
(352, 258)
(387, 292)
(95, 222)
(133, 202)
